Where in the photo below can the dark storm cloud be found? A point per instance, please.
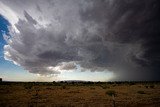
(134, 27)
(29, 18)
(68, 66)
(121, 36)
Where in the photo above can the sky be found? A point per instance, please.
(92, 40)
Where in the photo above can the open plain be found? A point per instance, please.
(80, 94)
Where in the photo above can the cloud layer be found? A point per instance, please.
(97, 35)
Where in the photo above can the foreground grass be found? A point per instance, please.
(62, 94)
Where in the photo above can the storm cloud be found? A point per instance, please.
(121, 36)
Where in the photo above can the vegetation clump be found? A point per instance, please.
(151, 86)
(140, 92)
(104, 86)
(28, 86)
(111, 93)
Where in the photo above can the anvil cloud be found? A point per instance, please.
(121, 36)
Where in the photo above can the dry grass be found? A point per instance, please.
(90, 95)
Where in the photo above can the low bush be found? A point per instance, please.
(92, 88)
(140, 92)
(151, 86)
(104, 87)
(28, 86)
(146, 86)
(111, 93)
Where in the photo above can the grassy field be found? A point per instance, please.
(81, 94)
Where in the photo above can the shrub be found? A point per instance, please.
(146, 86)
(63, 87)
(151, 86)
(104, 87)
(28, 86)
(111, 93)
(140, 92)
(92, 88)
(131, 83)
(49, 88)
